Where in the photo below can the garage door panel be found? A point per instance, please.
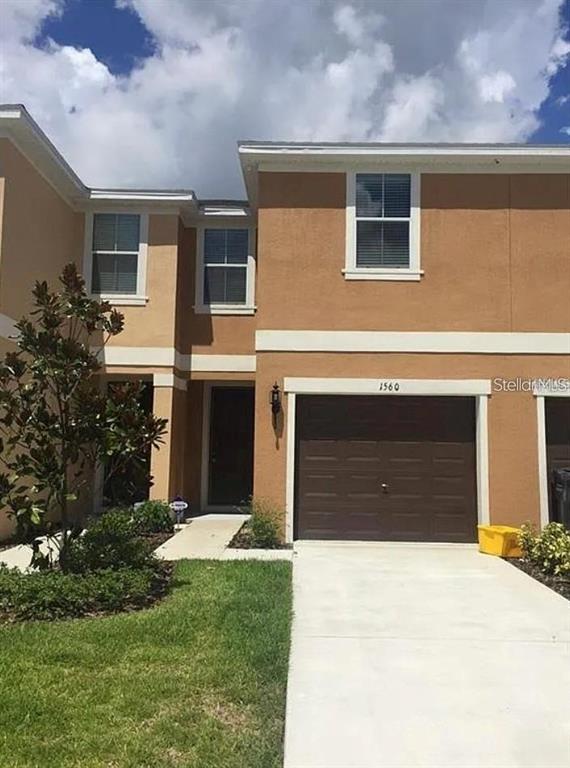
(421, 449)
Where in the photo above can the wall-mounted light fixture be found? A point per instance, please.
(275, 400)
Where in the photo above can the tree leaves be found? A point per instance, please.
(54, 420)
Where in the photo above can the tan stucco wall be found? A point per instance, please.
(152, 325)
(513, 437)
(40, 232)
(495, 250)
(193, 447)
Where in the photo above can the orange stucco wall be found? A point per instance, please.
(513, 436)
(495, 250)
(203, 333)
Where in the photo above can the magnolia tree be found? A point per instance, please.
(56, 421)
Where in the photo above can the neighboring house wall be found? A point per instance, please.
(40, 232)
(484, 242)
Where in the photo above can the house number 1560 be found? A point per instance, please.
(389, 386)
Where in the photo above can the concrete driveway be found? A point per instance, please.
(425, 656)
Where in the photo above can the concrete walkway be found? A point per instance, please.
(207, 537)
(204, 537)
(425, 657)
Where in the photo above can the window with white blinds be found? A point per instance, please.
(225, 267)
(115, 253)
(383, 213)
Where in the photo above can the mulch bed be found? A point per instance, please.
(558, 584)
(156, 539)
(242, 540)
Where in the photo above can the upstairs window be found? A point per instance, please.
(115, 253)
(226, 270)
(382, 222)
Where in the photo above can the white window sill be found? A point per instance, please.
(117, 300)
(382, 274)
(224, 309)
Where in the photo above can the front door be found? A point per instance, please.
(230, 462)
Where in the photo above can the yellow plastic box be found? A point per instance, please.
(500, 540)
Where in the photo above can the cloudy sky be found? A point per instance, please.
(156, 92)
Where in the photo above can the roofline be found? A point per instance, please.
(338, 157)
(402, 148)
(17, 124)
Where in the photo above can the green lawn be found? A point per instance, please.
(198, 680)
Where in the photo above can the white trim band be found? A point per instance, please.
(392, 386)
(412, 341)
(169, 357)
(219, 363)
(169, 380)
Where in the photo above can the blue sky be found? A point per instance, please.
(157, 92)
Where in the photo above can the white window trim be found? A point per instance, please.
(541, 393)
(200, 308)
(351, 271)
(128, 299)
(478, 388)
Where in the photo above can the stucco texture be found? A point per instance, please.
(484, 241)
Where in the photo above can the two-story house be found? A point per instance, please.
(377, 339)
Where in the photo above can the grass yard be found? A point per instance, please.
(198, 680)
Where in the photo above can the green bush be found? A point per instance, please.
(263, 527)
(548, 550)
(109, 542)
(49, 595)
(153, 517)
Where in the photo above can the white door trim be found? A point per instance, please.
(411, 341)
(480, 389)
(205, 453)
(542, 458)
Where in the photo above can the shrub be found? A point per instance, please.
(52, 594)
(109, 542)
(153, 517)
(263, 527)
(548, 550)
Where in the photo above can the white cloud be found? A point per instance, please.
(565, 130)
(231, 69)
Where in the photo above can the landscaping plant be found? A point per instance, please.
(153, 517)
(548, 550)
(262, 530)
(56, 422)
(50, 595)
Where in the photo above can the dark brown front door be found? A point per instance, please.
(386, 468)
(557, 412)
(230, 475)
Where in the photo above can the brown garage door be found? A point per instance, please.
(386, 468)
(557, 438)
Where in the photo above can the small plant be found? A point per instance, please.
(153, 517)
(548, 550)
(109, 542)
(50, 595)
(263, 529)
